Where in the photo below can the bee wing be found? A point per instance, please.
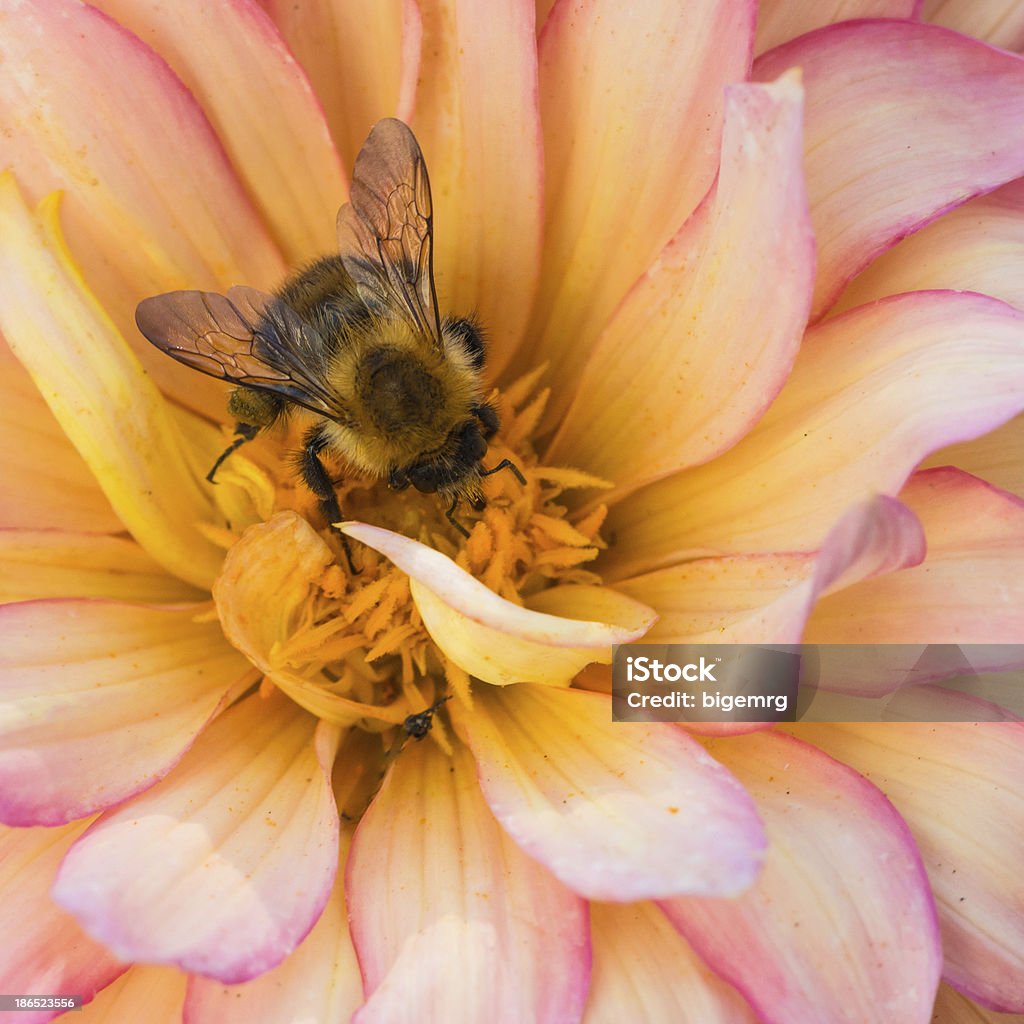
(385, 231)
(246, 337)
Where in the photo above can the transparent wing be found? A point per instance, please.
(385, 231)
(246, 337)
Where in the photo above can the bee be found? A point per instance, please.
(357, 339)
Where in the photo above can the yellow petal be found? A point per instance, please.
(55, 563)
(46, 484)
(478, 120)
(721, 313)
(152, 994)
(631, 103)
(645, 970)
(778, 21)
(999, 22)
(101, 396)
(362, 57)
(495, 640)
(871, 394)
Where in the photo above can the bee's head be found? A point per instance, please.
(450, 469)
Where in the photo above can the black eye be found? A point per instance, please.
(423, 477)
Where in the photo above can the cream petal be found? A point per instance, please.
(99, 700)
(632, 110)
(231, 57)
(888, 102)
(999, 22)
(957, 785)
(840, 927)
(362, 57)
(977, 247)
(969, 589)
(58, 563)
(645, 970)
(767, 598)
(450, 919)
(45, 481)
(284, 557)
(320, 981)
(871, 394)
(493, 639)
(52, 955)
(778, 21)
(721, 312)
(223, 867)
(151, 994)
(562, 779)
(478, 121)
(100, 394)
(87, 107)
(996, 457)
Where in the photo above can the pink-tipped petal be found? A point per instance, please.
(89, 108)
(320, 981)
(969, 589)
(478, 121)
(99, 700)
(151, 994)
(978, 247)
(50, 954)
(99, 392)
(999, 22)
(721, 312)
(645, 970)
(492, 638)
(957, 785)
(232, 59)
(632, 107)
(450, 919)
(57, 563)
(779, 21)
(888, 104)
(562, 779)
(871, 394)
(46, 483)
(841, 926)
(224, 866)
(997, 457)
(362, 56)
(767, 598)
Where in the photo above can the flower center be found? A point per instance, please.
(360, 637)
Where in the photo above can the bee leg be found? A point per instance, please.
(245, 432)
(319, 482)
(449, 515)
(505, 464)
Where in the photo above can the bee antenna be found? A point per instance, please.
(245, 432)
(505, 464)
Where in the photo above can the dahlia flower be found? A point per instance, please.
(755, 334)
